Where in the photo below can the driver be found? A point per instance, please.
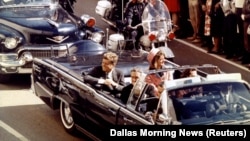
(228, 102)
(107, 75)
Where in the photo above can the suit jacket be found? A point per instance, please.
(96, 73)
(215, 107)
(127, 90)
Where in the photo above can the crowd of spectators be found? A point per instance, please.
(220, 26)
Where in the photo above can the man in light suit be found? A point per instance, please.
(106, 75)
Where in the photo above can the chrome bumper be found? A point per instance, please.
(10, 63)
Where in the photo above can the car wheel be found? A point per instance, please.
(66, 117)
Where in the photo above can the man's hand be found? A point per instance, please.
(223, 107)
(110, 82)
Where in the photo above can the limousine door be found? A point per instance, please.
(128, 117)
(101, 109)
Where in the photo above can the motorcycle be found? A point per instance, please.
(86, 23)
(157, 26)
(111, 11)
(67, 5)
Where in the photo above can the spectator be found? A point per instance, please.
(214, 19)
(206, 39)
(194, 16)
(246, 20)
(240, 31)
(110, 78)
(174, 9)
(156, 60)
(229, 28)
(184, 24)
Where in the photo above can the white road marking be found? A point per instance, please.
(13, 131)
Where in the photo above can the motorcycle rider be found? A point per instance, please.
(68, 5)
(133, 13)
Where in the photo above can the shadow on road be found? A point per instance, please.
(19, 81)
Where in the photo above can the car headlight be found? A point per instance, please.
(11, 43)
(97, 37)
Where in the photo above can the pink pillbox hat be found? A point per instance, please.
(152, 54)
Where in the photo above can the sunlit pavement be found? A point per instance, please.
(17, 97)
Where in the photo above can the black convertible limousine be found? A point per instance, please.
(185, 101)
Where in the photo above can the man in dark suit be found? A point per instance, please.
(215, 107)
(135, 74)
(107, 76)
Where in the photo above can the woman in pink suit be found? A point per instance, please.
(156, 60)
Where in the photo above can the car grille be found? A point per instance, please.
(44, 53)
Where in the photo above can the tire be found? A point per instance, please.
(67, 118)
